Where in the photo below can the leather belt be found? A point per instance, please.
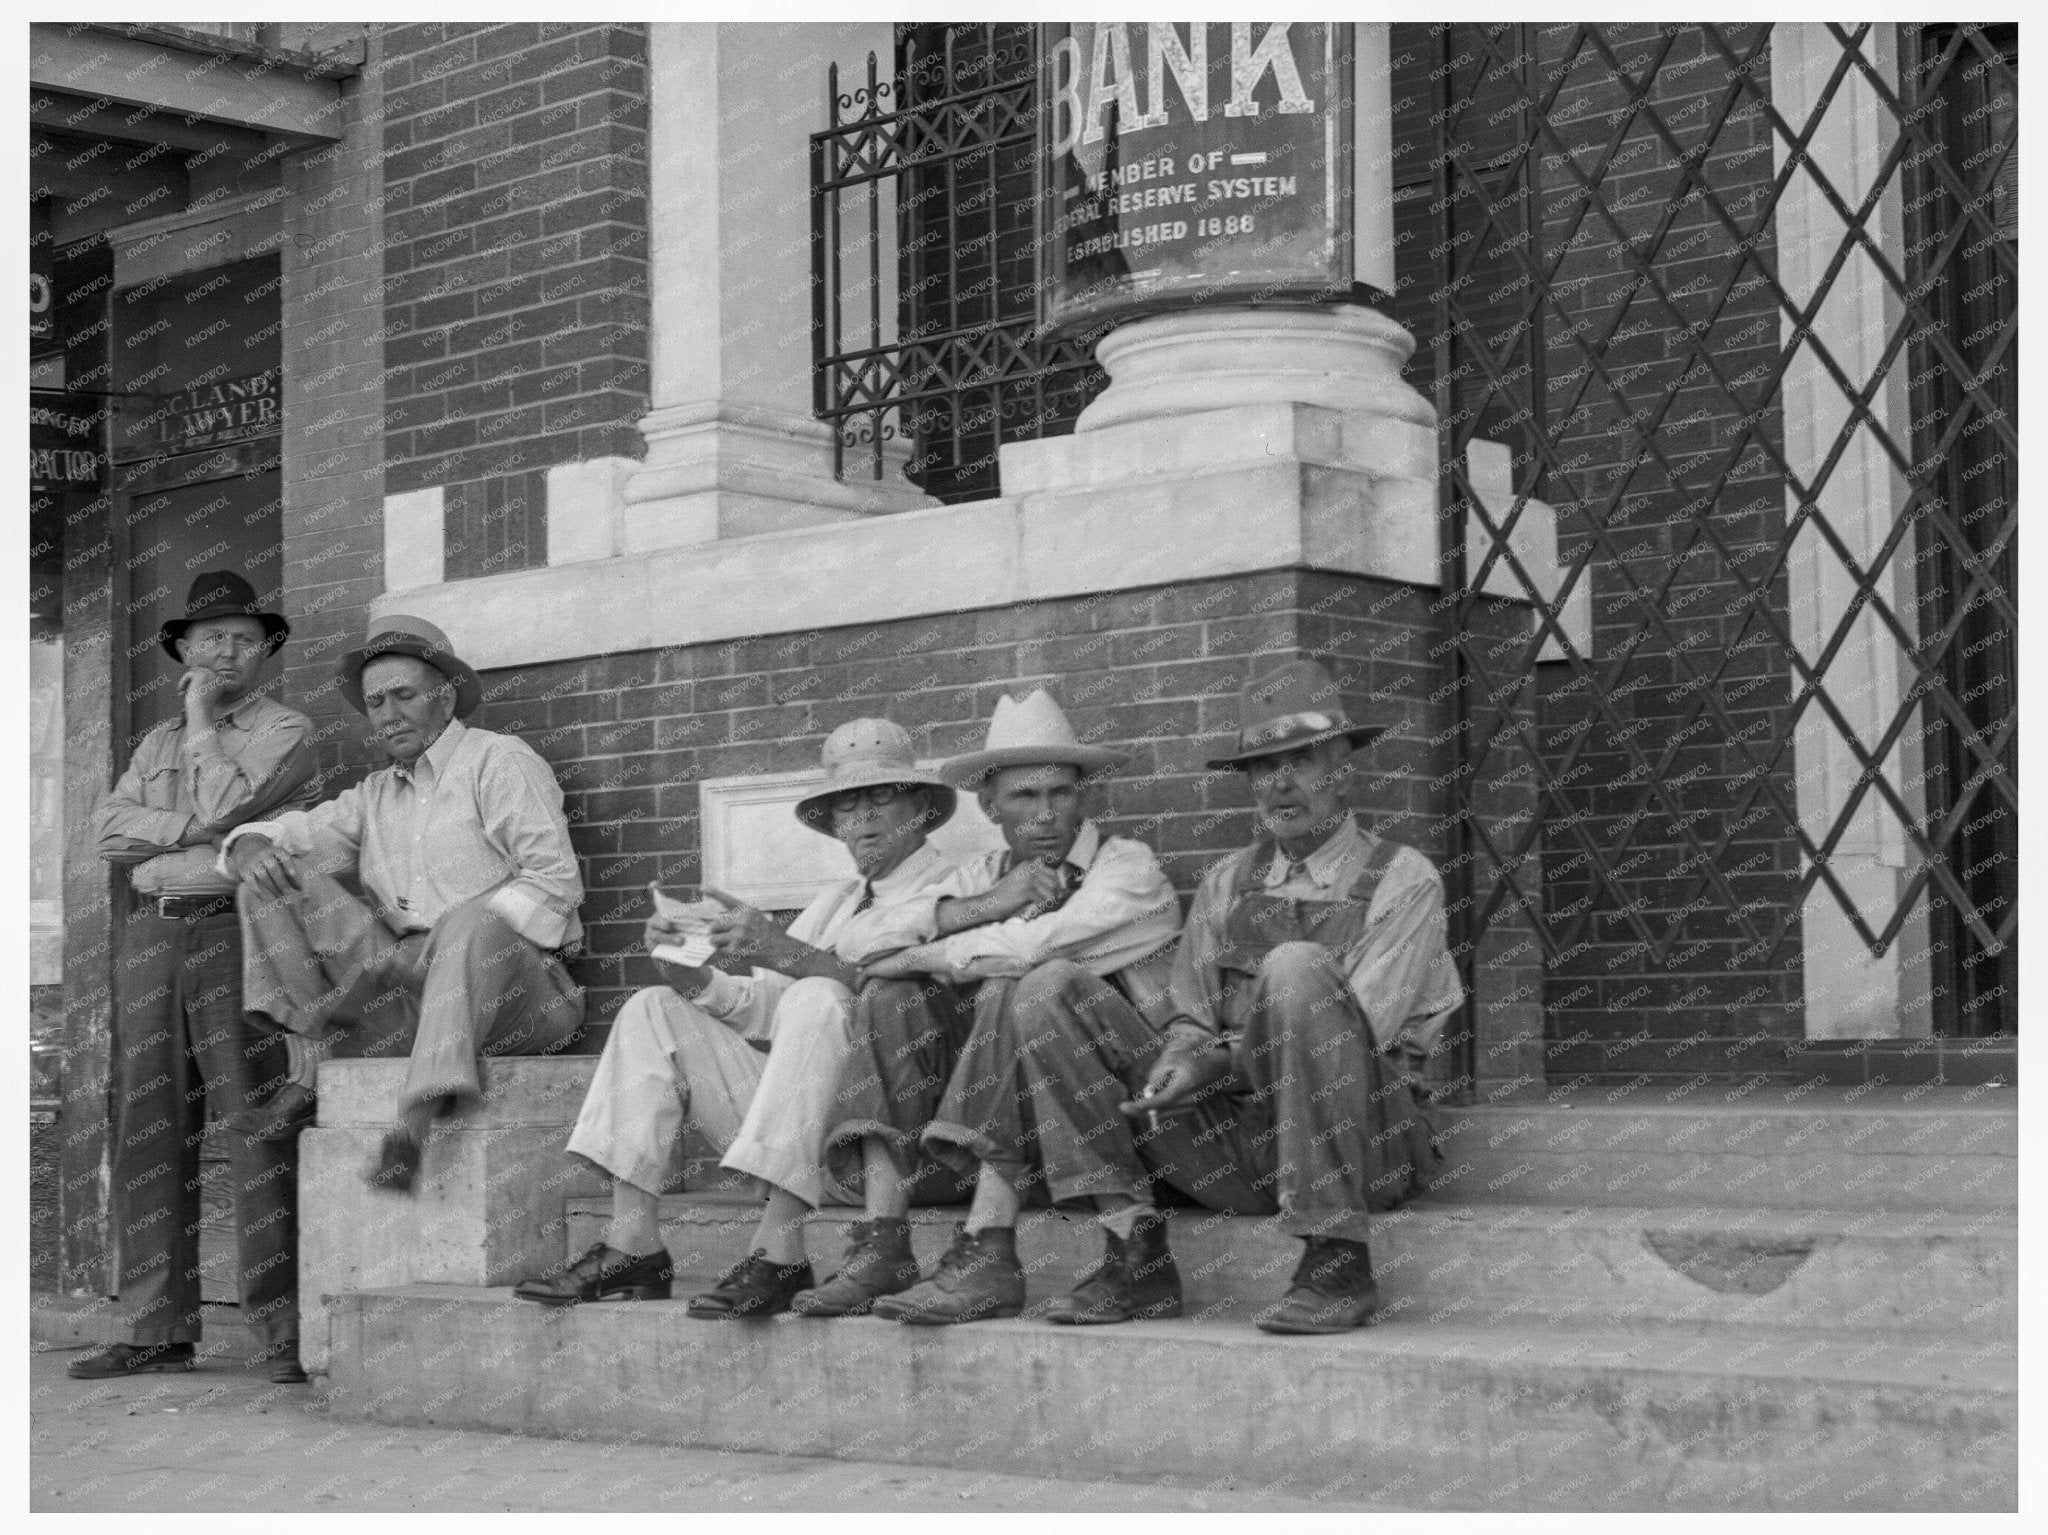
(186, 905)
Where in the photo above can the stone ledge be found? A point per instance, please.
(1273, 511)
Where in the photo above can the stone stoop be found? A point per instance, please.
(487, 1206)
(1413, 1414)
(1921, 1271)
(1601, 1305)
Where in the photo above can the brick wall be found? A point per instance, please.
(515, 180)
(1693, 505)
(1645, 982)
(1155, 671)
(332, 518)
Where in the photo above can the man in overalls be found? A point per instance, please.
(1311, 981)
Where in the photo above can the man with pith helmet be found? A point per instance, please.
(749, 1044)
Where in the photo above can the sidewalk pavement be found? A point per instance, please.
(221, 1438)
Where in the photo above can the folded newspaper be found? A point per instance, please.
(694, 918)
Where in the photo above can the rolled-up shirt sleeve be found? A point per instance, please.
(522, 814)
(275, 764)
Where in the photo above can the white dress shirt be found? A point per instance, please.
(1123, 910)
(843, 920)
(477, 812)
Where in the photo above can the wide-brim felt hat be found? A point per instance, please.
(400, 634)
(1031, 733)
(221, 594)
(862, 753)
(1294, 705)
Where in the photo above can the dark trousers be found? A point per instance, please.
(1310, 1122)
(182, 1048)
(907, 1038)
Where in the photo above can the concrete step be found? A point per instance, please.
(1811, 1146)
(1409, 1413)
(1602, 1267)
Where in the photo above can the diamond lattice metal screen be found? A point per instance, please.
(924, 268)
(1721, 323)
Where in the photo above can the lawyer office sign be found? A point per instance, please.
(1189, 162)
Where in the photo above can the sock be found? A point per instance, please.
(1124, 1219)
(635, 1226)
(303, 1056)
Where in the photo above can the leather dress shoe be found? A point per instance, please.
(977, 1278)
(122, 1359)
(278, 1118)
(1135, 1281)
(283, 1359)
(398, 1163)
(1332, 1291)
(604, 1273)
(753, 1288)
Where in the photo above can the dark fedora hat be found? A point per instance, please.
(221, 594)
(1294, 705)
(400, 634)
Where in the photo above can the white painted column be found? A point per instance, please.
(732, 447)
(1850, 993)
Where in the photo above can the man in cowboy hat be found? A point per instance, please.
(181, 1040)
(750, 1044)
(463, 848)
(1060, 903)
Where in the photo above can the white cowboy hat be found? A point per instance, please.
(1033, 733)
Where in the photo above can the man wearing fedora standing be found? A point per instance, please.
(750, 1046)
(1060, 908)
(463, 849)
(181, 1041)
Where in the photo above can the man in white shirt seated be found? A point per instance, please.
(462, 845)
(1062, 912)
(752, 1059)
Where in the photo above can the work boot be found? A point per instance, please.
(753, 1288)
(877, 1262)
(977, 1278)
(119, 1359)
(1135, 1281)
(1333, 1290)
(600, 1274)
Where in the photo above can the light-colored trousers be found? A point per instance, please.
(764, 1100)
(319, 959)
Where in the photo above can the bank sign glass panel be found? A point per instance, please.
(1191, 162)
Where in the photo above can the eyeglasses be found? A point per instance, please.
(214, 641)
(874, 796)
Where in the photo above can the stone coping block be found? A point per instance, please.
(487, 1208)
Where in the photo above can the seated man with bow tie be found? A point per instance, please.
(748, 1045)
(1060, 910)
